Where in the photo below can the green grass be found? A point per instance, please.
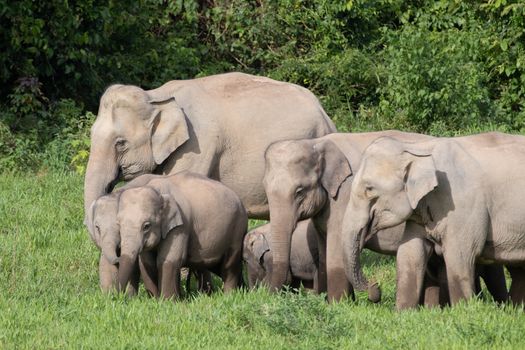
(49, 297)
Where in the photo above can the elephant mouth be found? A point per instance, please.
(112, 184)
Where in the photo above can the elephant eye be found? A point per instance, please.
(120, 143)
(369, 190)
(146, 226)
(299, 191)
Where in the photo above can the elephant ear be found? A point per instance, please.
(260, 246)
(169, 129)
(334, 166)
(171, 215)
(420, 175)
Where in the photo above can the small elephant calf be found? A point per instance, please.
(304, 255)
(186, 220)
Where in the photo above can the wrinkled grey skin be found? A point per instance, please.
(187, 220)
(218, 126)
(464, 194)
(312, 179)
(304, 257)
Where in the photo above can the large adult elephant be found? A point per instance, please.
(465, 194)
(218, 126)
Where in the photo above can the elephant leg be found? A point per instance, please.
(517, 287)
(337, 283)
(412, 257)
(444, 295)
(431, 293)
(231, 270)
(460, 272)
(149, 273)
(169, 277)
(107, 273)
(171, 256)
(494, 277)
(204, 281)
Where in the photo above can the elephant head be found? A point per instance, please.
(145, 217)
(391, 181)
(135, 131)
(299, 177)
(257, 255)
(103, 227)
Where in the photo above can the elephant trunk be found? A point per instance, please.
(126, 268)
(282, 225)
(102, 172)
(109, 247)
(129, 252)
(353, 240)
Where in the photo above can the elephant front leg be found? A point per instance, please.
(412, 257)
(171, 257)
(337, 283)
(149, 273)
(169, 277)
(460, 267)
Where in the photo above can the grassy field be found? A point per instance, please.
(49, 297)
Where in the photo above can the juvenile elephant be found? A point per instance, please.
(464, 194)
(188, 220)
(218, 126)
(304, 257)
(105, 234)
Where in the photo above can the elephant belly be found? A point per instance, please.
(205, 254)
(505, 244)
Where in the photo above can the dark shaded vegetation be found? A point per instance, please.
(440, 67)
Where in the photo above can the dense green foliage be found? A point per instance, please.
(442, 67)
(50, 299)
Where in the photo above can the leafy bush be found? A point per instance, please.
(441, 67)
(434, 80)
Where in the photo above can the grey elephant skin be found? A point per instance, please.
(304, 257)
(313, 179)
(218, 126)
(464, 194)
(187, 220)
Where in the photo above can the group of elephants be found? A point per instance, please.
(201, 156)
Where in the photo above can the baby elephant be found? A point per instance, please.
(304, 256)
(188, 220)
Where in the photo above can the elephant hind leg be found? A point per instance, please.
(494, 278)
(231, 269)
(517, 287)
